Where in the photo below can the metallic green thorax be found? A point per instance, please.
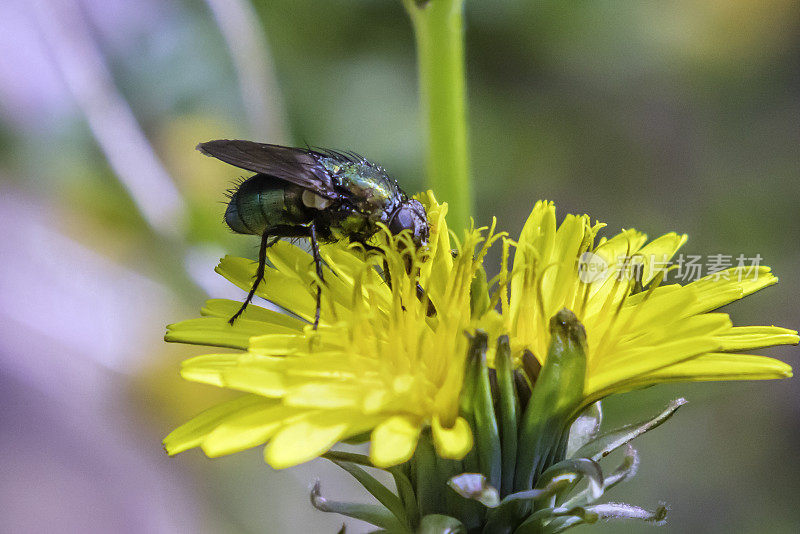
(367, 182)
(373, 193)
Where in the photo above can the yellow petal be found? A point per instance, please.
(289, 258)
(306, 438)
(452, 443)
(435, 273)
(559, 275)
(635, 362)
(624, 244)
(285, 344)
(715, 290)
(299, 265)
(656, 254)
(192, 433)
(394, 441)
(255, 380)
(349, 265)
(225, 309)
(719, 366)
(706, 325)
(207, 369)
(284, 290)
(325, 395)
(660, 309)
(218, 332)
(246, 429)
(756, 337)
(253, 373)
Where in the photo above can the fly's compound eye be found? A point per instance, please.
(403, 219)
(411, 216)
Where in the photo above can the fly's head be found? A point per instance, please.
(410, 215)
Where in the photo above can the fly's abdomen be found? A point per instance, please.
(261, 203)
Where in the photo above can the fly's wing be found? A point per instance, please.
(294, 165)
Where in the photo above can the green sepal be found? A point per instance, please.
(530, 367)
(383, 494)
(551, 520)
(454, 505)
(616, 510)
(608, 442)
(509, 410)
(441, 524)
(429, 496)
(475, 352)
(559, 479)
(405, 489)
(627, 469)
(522, 385)
(487, 435)
(624, 471)
(557, 394)
(352, 457)
(578, 468)
(358, 439)
(475, 486)
(555, 520)
(584, 429)
(374, 514)
(470, 512)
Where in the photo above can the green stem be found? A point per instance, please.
(439, 31)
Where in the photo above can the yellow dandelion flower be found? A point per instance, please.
(379, 361)
(381, 364)
(638, 332)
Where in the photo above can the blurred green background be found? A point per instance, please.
(660, 115)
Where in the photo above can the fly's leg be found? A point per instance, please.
(318, 265)
(276, 233)
(387, 277)
(266, 242)
(387, 274)
(421, 295)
